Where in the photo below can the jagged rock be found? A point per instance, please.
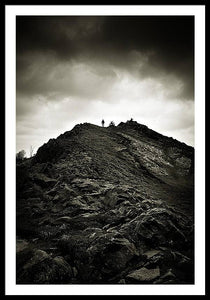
(62, 220)
(21, 245)
(122, 281)
(168, 277)
(106, 205)
(144, 275)
(115, 253)
(41, 268)
(162, 227)
(151, 253)
(44, 181)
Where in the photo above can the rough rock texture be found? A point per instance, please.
(106, 205)
(144, 275)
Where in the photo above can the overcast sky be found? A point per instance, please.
(75, 69)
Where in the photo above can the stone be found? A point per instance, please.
(122, 281)
(144, 274)
(41, 268)
(151, 253)
(38, 257)
(44, 181)
(161, 227)
(63, 219)
(21, 245)
(75, 272)
(168, 275)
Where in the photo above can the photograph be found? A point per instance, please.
(105, 150)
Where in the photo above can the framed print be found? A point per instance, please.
(105, 150)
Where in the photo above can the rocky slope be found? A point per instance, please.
(106, 205)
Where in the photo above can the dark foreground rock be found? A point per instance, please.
(40, 267)
(106, 205)
(144, 275)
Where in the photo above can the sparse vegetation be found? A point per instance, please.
(21, 155)
(112, 123)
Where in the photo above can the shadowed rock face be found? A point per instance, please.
(106, 205)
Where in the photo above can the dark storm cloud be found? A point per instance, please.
(166, 42)
(170, 39)
(64, 36)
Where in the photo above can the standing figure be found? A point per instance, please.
(102, 123)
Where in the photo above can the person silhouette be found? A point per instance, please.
(102, 123)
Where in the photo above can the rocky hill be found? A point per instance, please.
(107, 205)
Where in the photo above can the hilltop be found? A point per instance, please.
(106, 205)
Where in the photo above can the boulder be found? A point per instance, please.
(41, 268)
(44, 181)
(162, 227)
(144, 275)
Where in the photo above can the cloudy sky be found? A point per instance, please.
(76, 69)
